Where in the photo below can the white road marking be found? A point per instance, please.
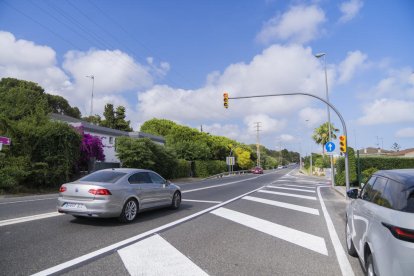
(30, 200)
(343, 261)
(133, 239)
(284, 205)
(299, 186)
(155, 256)
(28, 218)
(286, 194)
(291, 235)
(204, 201)
(220, 185)
(291, 189)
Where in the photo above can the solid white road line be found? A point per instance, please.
(203, 201)
(291, 189)
(120, 244)
(286, 194)
(284, 205)
(220, 185)
(299, 186)
(291, 235)
(343, 261)
(29, 200)
(155, 256)
(28, 218)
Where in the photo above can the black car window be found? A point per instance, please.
(380, 197)
(367, 191)
(397, 195)
(156, 178)
(410, 203)
(103, 176)
(139, 178)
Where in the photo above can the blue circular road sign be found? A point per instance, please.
(330, 147)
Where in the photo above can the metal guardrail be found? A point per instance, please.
(220, 175)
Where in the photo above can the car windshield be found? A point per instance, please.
(103, 176)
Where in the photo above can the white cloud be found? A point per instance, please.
(312, 117)
(385, 111)
(300, 24)
(23, 59)
(405, 133)
(354, 61)
(231, 131)
(350, 9)
(267, 124)
(114, 71)
(398, 83)
(286, 138)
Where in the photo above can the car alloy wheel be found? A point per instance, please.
(129, 212)
(176, 201)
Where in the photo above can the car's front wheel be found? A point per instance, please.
(349, 243)
(176, 201)
(129, 212)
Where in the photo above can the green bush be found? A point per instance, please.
(386, 163)
(183, 169)
(207, 168)
(340, 178)
(13, 170)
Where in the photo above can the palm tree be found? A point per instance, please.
(321, 134)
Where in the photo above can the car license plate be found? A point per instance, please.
(74, 206)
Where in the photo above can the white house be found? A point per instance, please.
(107, 135)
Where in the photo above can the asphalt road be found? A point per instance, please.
(271, 224)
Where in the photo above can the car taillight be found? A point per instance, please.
(400, 233)
(99, 192)
(62, 189)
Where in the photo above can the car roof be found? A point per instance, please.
(404, 176)
(126, 170)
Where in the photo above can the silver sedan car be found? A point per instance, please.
(380, 223)
(118, 193)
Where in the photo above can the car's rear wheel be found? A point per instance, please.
(349, 243)
(370, 270)
(176, 201)
(129, 212)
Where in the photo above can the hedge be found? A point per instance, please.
(207, 168)
(368, 166)
(183, 169)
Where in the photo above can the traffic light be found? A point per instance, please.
(226, 99)
(342, 143)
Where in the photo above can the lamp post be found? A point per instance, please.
(319, 55)
(93, 84)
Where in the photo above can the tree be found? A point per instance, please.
(396, 146)
(120, 122)
(60, 105)
(321, 134)
(91, 147)
(109, 115)
(243, 158)
(95, 119)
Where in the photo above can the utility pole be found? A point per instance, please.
(258, 142)
(93, 84)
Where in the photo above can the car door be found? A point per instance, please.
(162, 193)
(143, 188)
(360, 215)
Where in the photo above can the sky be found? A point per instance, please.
(175, 59)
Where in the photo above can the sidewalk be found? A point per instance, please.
(339, 189)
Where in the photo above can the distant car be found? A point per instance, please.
(280, 167)
(257, 170)
(118, 193)
(380, 223)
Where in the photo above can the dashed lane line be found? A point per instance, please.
(288, 234)
(290, 189)
(156, 256)
(287, 194)
(28, 218)
(283, 205)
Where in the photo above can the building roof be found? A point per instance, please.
(105, 130)
(403, 152)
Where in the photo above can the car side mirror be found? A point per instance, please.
(352, 193)
(167, 182)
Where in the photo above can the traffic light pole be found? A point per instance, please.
(319, 98)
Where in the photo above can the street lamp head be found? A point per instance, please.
(319, 55)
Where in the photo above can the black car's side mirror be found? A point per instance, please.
(352, 193)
